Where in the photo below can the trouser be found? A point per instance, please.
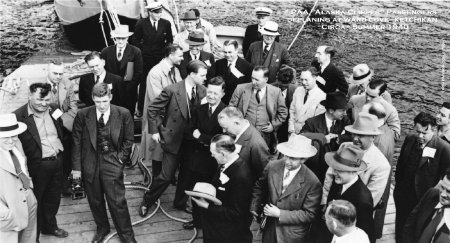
(197, 177)
(108, 183)
(270, 139)
(405, 200)
(129, 97)
(149, 61)
(47, 179)
(380, 213)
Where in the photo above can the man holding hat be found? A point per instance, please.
(190, 22)
(151, 34)
(124, 60)
(230, 221)
(18, 205)
(345, 165)
(252, 32)
(196, 42)
(267, 52)
(359, 80)
(288, 193)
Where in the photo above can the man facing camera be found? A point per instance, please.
(102, 141)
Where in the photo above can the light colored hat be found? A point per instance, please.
(10, 127)
(347, 158)
(361, 74)
(189, 15)
(270, 28)
(298, 146)
(196, 38)
(121, 31)
(206, 191)
(263, 11)
(365, 124)
(154, 6)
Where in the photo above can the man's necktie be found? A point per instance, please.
(24, 178)
(285, 185)
(101, 121)
(257, 95)
(339, 189)
(210, 112)
(266, 51)
(332, 126)
(306, 97)
(154, 25)
(196, 57)
(97, 78)
(221, 168)
(228, 69)
(193, 96)
(119, 56)
(172, 75)
(430, 230)
(361, 89)
(54, 89)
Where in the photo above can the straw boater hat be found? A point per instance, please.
(196, 38)
(263, 11)
(347, 158)
(270, 28)
(206, 191)
(121, 31)
(361, 74)
(9, 126)
(154, 6)
(189, 15)
(298, 146)
(335, 100)
(365, 124)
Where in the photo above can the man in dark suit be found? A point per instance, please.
(151, 35)
(196, 41)
(268, 52)
(288, 194)
(252, 33)
(42, 144)
(233, 69)
(124, 60)
(346, 163)
(229, 222)
(331, 78)
(178, 102)
(102, 141)
(423, 160)
(428, 222)
(98, 75)
(253, 148)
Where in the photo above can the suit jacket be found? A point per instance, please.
(252, 35)
(231, 80)
(275, 106)
(282, 132)
(151, 41)
(421, 216)
(66, 100)
(31, 142)
(172, 102)
(206, 57)
(87, 83)
(299, 112)
(84, 133)
(254, 150)
(418, 173)
(299, 204)
(278, 55)
(230, 222)
(334, 77)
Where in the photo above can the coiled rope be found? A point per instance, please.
(303, 25)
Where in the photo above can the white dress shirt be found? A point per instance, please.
(349, 184)
(101, 77)
(105, 115)
(232, 160)
(288, 180)
(261, 93)
(356, 236)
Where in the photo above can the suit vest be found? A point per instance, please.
(257, 113)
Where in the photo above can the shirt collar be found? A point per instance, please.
(233, 63)
(213, 108)
(105, 115)
(292, 172)
(101, 76)
(323, 66)
(247, 125)
(349, 184)
(32, 112)
(166, 66)
(189, 88)
(234, 157)
(193, 56)
(123, 49)
(264, 45)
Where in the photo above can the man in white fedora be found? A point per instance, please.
(293, 193)
(359, 80)
(124, 60)
(229, 222)
(252, 33)
(18, 205)
(268, 52)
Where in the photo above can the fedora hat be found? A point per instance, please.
(10, 127)
(121, 31)
(335, 100)
(263, 11)
(196, 38)
(365, 124)
(347, 158)
(154, 6)
(206, 191)
(361, 74)
(298, 146)
(270, 28)
(189, 15)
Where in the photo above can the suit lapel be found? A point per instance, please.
(277, 179)
(62, 92)
(246, 96)
(91, 124)
(270, 101)
(181, 98)
(115, 124)
(431, 144)
(125, 57)
(31, 125)
(296, 183)
(271, 53)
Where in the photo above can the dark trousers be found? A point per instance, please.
(108, 183)
(129, 96)
(149, 61)
(47, 179)
(197, 177)
(67, 163)
(405, 200)
(380, 213)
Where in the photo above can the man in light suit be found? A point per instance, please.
(124, 60)
(252, 32)
(102, 141)
(254, 150)
(330, 77)
(233, 69)
(268, 52)
(196, 41)
(178, 102)
(18, 204)
(306, 101)
(288, 194)
(262, 105)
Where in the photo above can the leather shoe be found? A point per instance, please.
(99, 237)
(143, 209)
(60, 233)
(189, 225)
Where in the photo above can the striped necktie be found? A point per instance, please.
(23, 178)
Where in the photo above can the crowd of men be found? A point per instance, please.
(308, 160)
